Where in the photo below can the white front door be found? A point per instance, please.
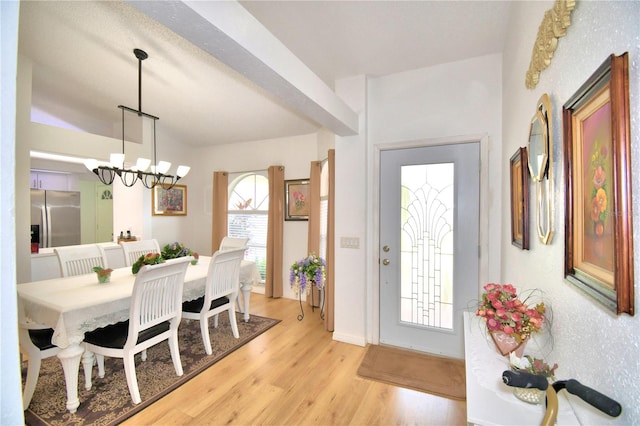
(429, 245)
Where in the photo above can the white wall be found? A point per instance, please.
(351, 265)
(592, 345)
(450, 100)
(10, 392)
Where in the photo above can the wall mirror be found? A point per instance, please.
(540, 159)
(538, 147)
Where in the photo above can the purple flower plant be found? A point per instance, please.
(309, 269)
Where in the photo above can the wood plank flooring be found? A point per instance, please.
(295, 374)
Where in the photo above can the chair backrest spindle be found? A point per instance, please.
(80, 259)
(132, 250)
(157, 295)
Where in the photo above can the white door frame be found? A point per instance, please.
(373, 298)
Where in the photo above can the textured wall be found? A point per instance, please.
(591, 344)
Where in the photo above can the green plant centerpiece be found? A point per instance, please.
(147, 259)
(104, 274)
(176, 250)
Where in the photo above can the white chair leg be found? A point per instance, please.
(132, 380)
(215, 321)
(234, 323)
(204, 330)
(100, 362)
(175, 353)
(33, 371)
(87, 365)
(144, 355)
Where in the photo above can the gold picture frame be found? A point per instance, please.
(520, 199)
(597, 148)
(169, 202)
(296, 202)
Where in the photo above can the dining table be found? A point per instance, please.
(77, 304)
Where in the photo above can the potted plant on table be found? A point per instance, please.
(104, 274)
(176, 250)
(509, 320)
(147, 259)
(531, 365)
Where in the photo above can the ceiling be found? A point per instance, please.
(84, 66)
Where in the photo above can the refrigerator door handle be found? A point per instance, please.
(47, 225)
(43, 227)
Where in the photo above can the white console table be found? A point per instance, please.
(489, 400)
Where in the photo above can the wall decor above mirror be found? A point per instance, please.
(540, 160)
(553, 26)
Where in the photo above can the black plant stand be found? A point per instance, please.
(313, 308)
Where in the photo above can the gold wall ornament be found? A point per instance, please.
(554, 25)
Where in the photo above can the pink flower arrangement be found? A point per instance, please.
(502, 310)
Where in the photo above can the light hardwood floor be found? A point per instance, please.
(295, 374)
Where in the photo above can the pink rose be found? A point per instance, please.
(599, 177)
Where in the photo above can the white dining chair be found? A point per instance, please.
(80, 259)
(134, 249)
(221, 291)
(35, 342)
(230, 243)
(154, 316)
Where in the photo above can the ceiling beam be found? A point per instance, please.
(230, 33)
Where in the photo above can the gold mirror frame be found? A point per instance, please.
(540, 161)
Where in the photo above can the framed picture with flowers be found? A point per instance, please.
(169, 201)
(598, 224)
(296, 201)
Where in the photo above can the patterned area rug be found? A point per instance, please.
(109, 402)
(433, 374)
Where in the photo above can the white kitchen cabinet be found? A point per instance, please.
(49, 181)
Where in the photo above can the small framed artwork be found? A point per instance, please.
(598, 227)
(169, 202)
(520, 199)
(296, 199)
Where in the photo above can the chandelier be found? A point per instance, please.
(157, 173)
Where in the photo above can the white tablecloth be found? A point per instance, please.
(74, 305)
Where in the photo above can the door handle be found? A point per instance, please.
(385, 262)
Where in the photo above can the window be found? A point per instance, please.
(248, 214)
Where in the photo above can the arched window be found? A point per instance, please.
(248, 213)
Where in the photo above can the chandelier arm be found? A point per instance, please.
(128, 177)
(105, 174)
(168, 178)
(144, 178)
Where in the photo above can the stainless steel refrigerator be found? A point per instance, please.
(55, 218)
